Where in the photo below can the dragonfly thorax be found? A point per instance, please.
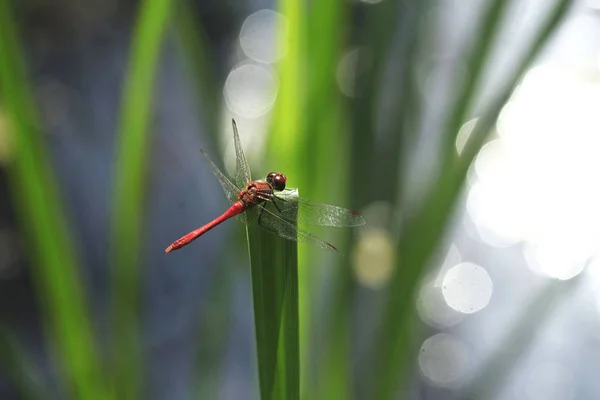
(256, 192)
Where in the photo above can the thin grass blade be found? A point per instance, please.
(128, 204)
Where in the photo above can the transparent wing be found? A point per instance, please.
(242, 169)
(276, 224)
(231, 190)
(322, 214)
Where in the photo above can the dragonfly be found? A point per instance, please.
(276, 212)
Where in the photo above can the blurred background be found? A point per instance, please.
(466, 133)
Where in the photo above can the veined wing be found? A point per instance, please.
(242, 169)
(322, 214)
(231, 190)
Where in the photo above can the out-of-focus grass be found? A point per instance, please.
(44, 225)
(129, 190)
(318, 146)
(425, 229)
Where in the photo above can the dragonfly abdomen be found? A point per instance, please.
(236, 208)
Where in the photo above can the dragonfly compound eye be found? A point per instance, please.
(277, 180)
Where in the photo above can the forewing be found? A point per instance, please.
(242, 169)
(323, 214)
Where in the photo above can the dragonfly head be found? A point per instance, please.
(276, 180)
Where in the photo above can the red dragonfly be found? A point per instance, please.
(268, 196)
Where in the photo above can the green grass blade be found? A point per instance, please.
(287, 145)
(287, 120)
(466, 89)
(128, 204)
(484, 124)
(426, 228)
(44, 225)
(274, 270)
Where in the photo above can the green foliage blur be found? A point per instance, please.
(343, 150)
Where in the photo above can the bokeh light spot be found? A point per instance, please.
(444, 360)
(467, 288)
(433, 309)
(559, 258)
(464, 133)
(264, 36)
(250, 90)
(536, 182)
(346, 73)
(373, 258)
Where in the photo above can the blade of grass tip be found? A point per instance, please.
(421, 236)
(18, 366)
(274, 270)
(492, 375)
(130, 169)
(40, 214)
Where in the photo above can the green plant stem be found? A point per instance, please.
(274, 270)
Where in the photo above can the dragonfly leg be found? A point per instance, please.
(275, 204)
(271, 196)
(279, 198)
(264, 195)
(260, 214)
